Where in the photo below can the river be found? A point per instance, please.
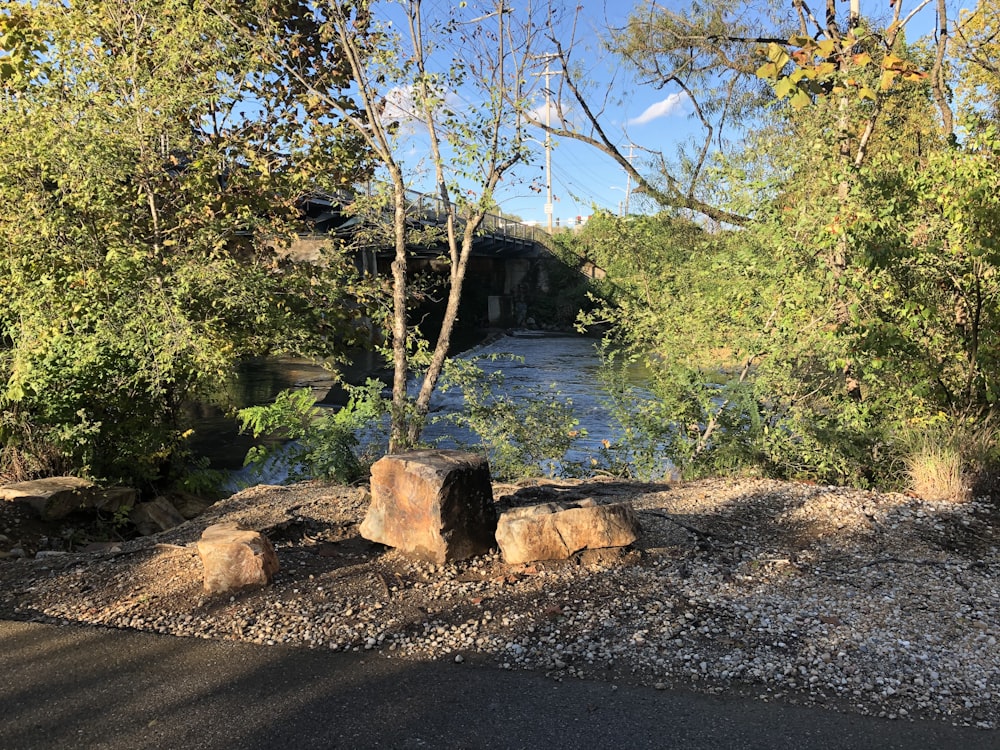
(565, 367)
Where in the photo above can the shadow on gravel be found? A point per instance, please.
(97, 688)
(553, 491)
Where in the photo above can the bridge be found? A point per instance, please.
(509, 264)
(508, 270)
(497, 236)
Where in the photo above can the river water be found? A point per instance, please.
(542, 367)
(564, 367)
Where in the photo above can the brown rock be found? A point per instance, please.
(436, 505)
(56, 497)
(112, 499)
(555, 531)
(158, 514)
(188, 505)
(233, 558)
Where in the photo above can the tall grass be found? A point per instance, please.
(944, 461)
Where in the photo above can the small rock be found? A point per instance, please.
(233, 558)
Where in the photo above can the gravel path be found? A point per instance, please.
(878, 604)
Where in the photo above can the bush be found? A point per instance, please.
(311, 442)
(947, 458)
(523, 433)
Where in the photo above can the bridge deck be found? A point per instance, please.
(498, 236)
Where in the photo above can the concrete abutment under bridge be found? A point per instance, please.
(500, 291)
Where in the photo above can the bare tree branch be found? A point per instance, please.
(937, 71)
(673, 196)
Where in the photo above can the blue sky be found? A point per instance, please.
(659, 120)
(582, 177)
(655, 120)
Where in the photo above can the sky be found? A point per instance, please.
(583, 178)
(658, 120)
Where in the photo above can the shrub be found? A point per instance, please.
(945, 459)
(523, 432)
(312, 442)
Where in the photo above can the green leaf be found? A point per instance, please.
(800, 100)
(776, 54)
(885, 81)
(784, 87)
(826, 47)
(768, 71)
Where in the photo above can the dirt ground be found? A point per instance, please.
(819, 594)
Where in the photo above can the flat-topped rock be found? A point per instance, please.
(53, 498)
(555, 531)
(159, 514)
(436, 505)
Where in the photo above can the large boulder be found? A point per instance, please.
(54, 498)
(555, 531)
(233, 557)
(436, 505)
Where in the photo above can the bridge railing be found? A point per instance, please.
(431, 207)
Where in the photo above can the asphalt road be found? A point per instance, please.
(76, 687)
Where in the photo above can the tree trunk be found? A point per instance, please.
(440, 354)
(398, 433)
(937, 72)
(841, 254)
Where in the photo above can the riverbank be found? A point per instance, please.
(870, 603)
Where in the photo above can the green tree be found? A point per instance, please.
(852, 313)
(416, 86)
(144, 192)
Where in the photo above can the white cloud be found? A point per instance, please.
(669, 106)
(563, 117)
(538, 113)
(399, 105)
(400, 109)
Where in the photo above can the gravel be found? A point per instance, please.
(879, 604)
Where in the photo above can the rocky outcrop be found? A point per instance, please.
(54, 498)
(555, 531)
(436, 505)
(233, 557)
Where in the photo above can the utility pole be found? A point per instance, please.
(548, 144)
(628, 179)
(548, 147)
(548, 136)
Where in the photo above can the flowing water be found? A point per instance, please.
(565, 367)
